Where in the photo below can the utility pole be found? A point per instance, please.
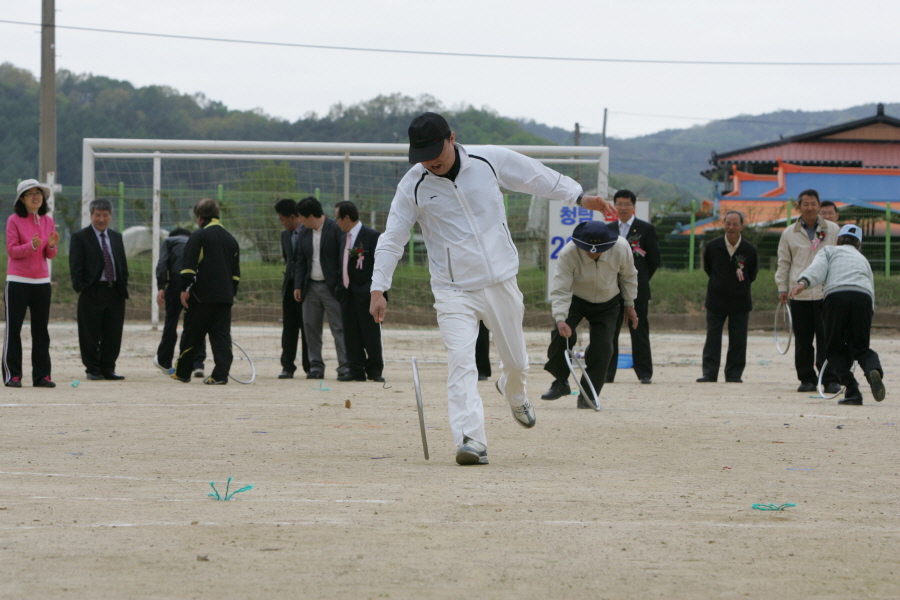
(577, 143)
(47, 151)
(603, 138)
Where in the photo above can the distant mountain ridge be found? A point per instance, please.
(677, 156)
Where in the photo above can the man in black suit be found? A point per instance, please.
(731, 263)
(291, 310)
(362, 335)
(316, 276)
(641, 236)
(99, 273)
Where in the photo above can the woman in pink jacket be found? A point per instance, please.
(31, 240)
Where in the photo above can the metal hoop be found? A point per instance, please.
(415, 370)
(785, 311)
(252, 366)
(575, 362)
(819, 387)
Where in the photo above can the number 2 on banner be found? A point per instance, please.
(558, 243)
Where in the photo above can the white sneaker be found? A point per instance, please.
(159, 366)
(524, 415)
(472, 453)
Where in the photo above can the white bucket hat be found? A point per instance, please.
(27, 184)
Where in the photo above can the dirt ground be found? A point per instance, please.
(103, 486)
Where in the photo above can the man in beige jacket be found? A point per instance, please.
(797, 248)
(594, 274)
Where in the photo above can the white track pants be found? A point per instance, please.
(502, 310)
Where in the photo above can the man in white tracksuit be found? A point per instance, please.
(455, 197)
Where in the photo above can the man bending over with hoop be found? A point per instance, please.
(849, 289)
(210, 275)
(595, 271)
(455, 197)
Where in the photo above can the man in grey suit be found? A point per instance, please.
(316, 277)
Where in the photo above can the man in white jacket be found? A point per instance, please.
(455, 197)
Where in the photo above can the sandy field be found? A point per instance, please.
(103, 486)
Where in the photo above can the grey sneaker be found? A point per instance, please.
(471, 453)
(198, 373)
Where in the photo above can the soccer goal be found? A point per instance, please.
(153, 185)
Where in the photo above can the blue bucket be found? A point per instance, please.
(625, 362)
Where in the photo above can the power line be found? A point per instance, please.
(471, 54)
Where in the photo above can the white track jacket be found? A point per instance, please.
(464, 222)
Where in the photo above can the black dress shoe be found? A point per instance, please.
(315, 375)
(852, 400)
(286, 375)
(348, 377)
(646, 380)
(874, 379)
(734, 381)
(113, 377)
(95, 377)
(832, 388)
(705, 380)
(377, 378)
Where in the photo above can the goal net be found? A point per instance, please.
(154, 184)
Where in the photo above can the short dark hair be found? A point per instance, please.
(179, 231)
(347, 209)
(810, 192)
(734, 212)
(625, 194)
(23, 212)
(207, 208)
(309, 207)
(850, 240)
(825, 203)
(286, 207)
(100, 204)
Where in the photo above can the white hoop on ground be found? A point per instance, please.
(415, 370)
(785, 312)
(575, 362)
(252, 366)
(819, 387)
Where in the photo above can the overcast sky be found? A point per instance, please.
(642, 98)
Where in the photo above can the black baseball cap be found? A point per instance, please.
(593, 236)
(426, 137)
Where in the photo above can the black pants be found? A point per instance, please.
(736, 359)
(848, 320)
(483, 351)
(201, 320)
(292, 328)
(101, 316)
(20, 297)
(640, 342)
(166, 349)
(806, 316)
(362, 336)
(602, 320)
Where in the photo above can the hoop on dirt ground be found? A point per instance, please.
(415, 370)
(821, 389)
(574, 363)
(784, 328)
(244, 378)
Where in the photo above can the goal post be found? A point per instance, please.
(163, 179)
